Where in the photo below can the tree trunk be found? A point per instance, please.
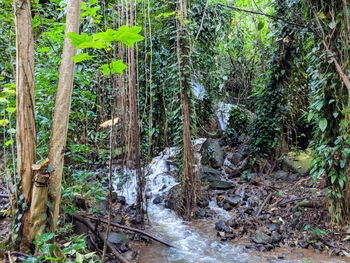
(189, 187)
(134, 132)
(62, 108)
(25, 97)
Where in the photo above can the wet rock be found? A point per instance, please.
(231, 235)
(274, 227)
(236, 158)
(172, 198)
(261, 238)
(213, 178)
(118, 219)
(157, 200)
(121, 199)
(114, 196)
(233, 201)
(227, 206)
(101, 206)
(276, 237)
(221, 234)
(303, 243)
(117, 238)
(212, 154)
(221, 226)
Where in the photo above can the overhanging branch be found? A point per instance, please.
(263, 14)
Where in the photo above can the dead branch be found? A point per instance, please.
(102, 237)
(133, 230)
(267, 199)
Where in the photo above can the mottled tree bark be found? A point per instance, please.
(134, 131)
(25, 89)
(62, 108)
(189, 187)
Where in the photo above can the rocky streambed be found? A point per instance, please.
(243, 215)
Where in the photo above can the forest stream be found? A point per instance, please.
(195, 241)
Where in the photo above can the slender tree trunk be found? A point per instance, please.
(25, 88)
(62, 108)
(135, 155)
(189, 188)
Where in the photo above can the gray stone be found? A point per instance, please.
(280, 174)
(236, 158)
(157, 200)
(213, 178)
(274, 227)
(227, 207)
(172, 198)
(221, 226)
(117, 238)
(276, 236)
(212, 154)
(262, 238)
(233, 201)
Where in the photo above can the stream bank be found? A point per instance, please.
(248, 218)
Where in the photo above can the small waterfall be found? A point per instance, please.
(195, 242)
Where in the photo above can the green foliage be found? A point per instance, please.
(239, 119)
(230, 137)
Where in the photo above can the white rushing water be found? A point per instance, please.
(194, 242)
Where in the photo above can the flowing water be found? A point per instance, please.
(194, 242)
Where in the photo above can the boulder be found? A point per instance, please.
(236, 158)
(261, 238)
(173, 197)
(212, 154)
(280, 174)
(213, 178)
(298, 162)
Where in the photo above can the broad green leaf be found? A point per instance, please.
(10, 109)
(77, 39)
(43, 238)
(81, 57)
(332, 25)
(129, 36)
(261, 25)
(323, 124)
(116, 67)
(109, 35)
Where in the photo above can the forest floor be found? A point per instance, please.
(268, 211)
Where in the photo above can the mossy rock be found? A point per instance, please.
(299, 162)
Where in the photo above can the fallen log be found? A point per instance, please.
(102, 237)
(132, 230)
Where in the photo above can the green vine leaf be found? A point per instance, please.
(115, 67)
(323, 124)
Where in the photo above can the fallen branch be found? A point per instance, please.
(294, 200)
(264, 203)
(133, 230)
(102, 237)
(4, 196)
